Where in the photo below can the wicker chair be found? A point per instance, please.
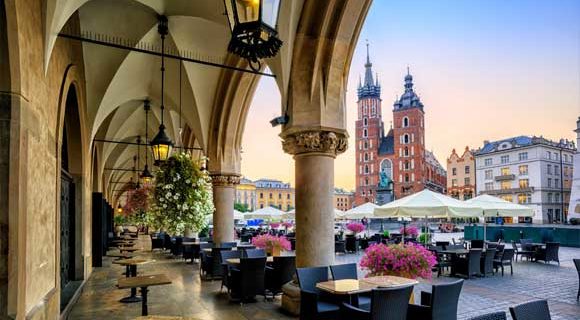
(349, 271)
(248, 280)
(504, 260)
(491, 316)
(440, 304)
(386, 304)
(157, 241)
(487, 262)
(534, 310)
(522, 252)
(577, 264)
(227, 254)
(477, 244)
(351, 244)
(312, 307)
(254, 253)
(550, 253)
(469, 266)
(280, 273)
(339, 246)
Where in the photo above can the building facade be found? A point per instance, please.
(343, 200)
(399, 156)
(274, 193)
(532, 171)
(574, 206)
(461, 175)
(246, 194)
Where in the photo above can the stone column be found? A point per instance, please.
(314, 152)
(224, 192)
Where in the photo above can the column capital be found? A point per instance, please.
(319, 141)
(225, 179)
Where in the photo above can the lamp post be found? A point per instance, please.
(253, 24)
(161, 144)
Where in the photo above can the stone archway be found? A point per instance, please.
(71, 188)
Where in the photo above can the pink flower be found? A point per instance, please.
(410, 231)
(287, 225)
(267, 241)
(356, 227)
(405, 260)
(274, 225)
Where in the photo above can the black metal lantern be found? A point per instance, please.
(119, 208)
(161, 144)
(146, 175)
(253, 24)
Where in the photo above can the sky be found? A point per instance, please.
(484, 69)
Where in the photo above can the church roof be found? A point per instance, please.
(409, 99)
(387, 144)
(370, 88)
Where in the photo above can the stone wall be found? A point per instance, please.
(38, 95)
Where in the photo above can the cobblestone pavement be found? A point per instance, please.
(191, 297)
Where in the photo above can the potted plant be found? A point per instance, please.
(410, 231)
(355, 227)
(273, 245)
(386, 234)
(403, 260)
(425, 238)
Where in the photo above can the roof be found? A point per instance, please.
(409, 99)
(387, 144)
(522, 141)
(430, 158)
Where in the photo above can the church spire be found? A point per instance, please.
(369, 69)
(369, 87)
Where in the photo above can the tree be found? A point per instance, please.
(241, 207)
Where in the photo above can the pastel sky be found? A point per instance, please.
(484, 69)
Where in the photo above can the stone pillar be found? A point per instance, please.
(224, 192)
(314, 152)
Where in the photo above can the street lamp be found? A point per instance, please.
(161, 144)
(253, 24)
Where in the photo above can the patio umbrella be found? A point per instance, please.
(494, 206)
(338, 214)
(290, 215)
(238, 215)
(267, 213)
(363, 211)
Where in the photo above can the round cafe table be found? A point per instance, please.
(131, 271)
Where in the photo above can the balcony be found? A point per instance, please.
(505, 177)
(508, 191)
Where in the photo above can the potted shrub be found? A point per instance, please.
(410, 231)
(386, 234)
(355, 227)
(403, 260)
(272, 244)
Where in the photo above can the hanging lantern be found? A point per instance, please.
(146, 176)
(161, 144)
(119, 209)
(253, 24)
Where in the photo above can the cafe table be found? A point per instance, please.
(352, 287)
(127, 249)
(143, 282)
(130, 272)
(236, 261)
(120, 255)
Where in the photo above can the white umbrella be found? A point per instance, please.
(363, 211)
(427, 203)
(338, 214)
(493, 206)
(267, 213)
(238, 215)
(290, 215)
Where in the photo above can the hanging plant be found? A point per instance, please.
(183, 195)
(138, 201)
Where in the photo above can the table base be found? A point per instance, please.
(131, 299)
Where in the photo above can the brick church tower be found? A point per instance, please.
(409, 141)
(369, 127)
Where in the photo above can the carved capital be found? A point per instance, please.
(225, 179)
(315, 141)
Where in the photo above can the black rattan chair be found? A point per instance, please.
(491, 316)
(280, 273)
(550, 253)
(228, 244)
(487, 262)
(440, 304)
(386, 304)
(248, 281)
(339, 246)
(504, 260)
(521, 252)
(157, 241)
(351, 244)
(534, 310)
(349, 271)
(477, 244)
(312, 307)
(227, 254)
(254, 253)
(470, 265)
(577, 264)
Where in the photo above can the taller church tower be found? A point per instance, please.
(369, 127)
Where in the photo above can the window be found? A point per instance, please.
(261, 206)
(406, 178)
(523, 156)
(556, 197)
(270, 196)
(524, 198)
(549, 155)
(557, 170)
(508, 198)
(549, 169)
(524, 183)
(488, 174)
(279, 196)
(556, 183)
(505, 171)
(556, 156)
(506, 185)
(523, 170)
(406, 153)
(505, 159)
(365, 133)
(467, 181)
(366, 157)
(454, 182)
(488, 186)
(467, 169)
(261, 195)
(488, 162)
(365, 122)
(288, 196)
(405, 138)
(366, 169)
(454, 171)
(565, 158)
(550, 197)
(549, 182)
(407, 167)
(366, 145)
(405, 122)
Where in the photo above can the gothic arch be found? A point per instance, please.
(387, 167)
